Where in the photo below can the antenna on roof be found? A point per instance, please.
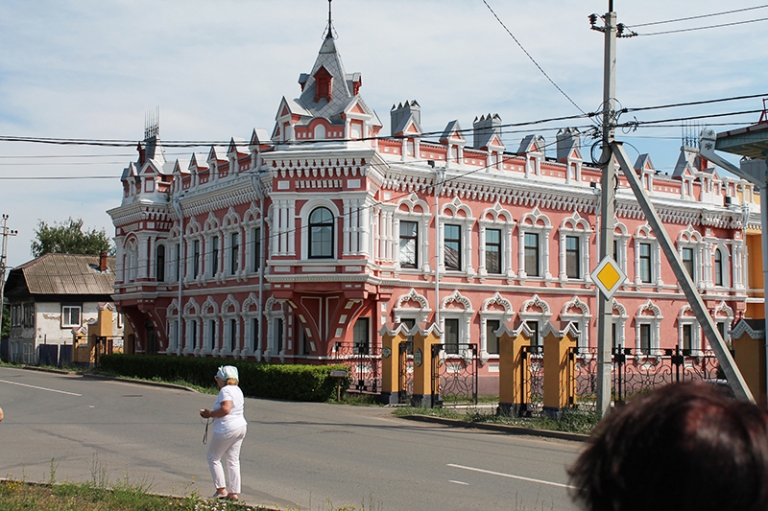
(152, 123)
(690, 134)
(331, 33)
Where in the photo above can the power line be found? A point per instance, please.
(532, 59)
(690, 118)
(704, 28)
(687, 18)
(693, 103)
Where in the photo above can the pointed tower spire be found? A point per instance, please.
(329, 35)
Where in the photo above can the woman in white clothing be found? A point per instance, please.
(229, 428)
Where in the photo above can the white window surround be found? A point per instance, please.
(306, 209)
(726, 264)
(619, 318)
(231, 225)
(413, 209)
(621, 237)
(577, 227)
(528, 312)
(191, 314)
(211, 230)
(421, 313)
(172, 326)
(535, 223)
(458, 213)
(648, 314)
(686, 317)
(274, 310)
(192, 233)
(576, 311)
(645, 235)
(251, 221)
(210, 312)
(250, 310)
(691, 238)
(230, 310)
(497, 218)
(723, 314)
(464, 314)
(494, 308)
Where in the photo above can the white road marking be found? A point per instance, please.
(458, 482)
(40, 388)
(501, 474)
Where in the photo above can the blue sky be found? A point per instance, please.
(217, 69)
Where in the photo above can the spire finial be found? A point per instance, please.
(329, 34)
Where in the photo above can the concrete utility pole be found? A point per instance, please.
(5, 232)
(607, 208)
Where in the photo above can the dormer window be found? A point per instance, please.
(323, 85)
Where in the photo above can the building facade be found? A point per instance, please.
(284, 246)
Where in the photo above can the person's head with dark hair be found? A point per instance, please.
(683, 447)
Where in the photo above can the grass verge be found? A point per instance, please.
(571, 421)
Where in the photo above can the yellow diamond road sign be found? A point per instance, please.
(608, 276)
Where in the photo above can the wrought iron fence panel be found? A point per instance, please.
(583, 378)
(533, 380)
(364, 362)
(697, 365)
(455, 374)
(642, 371)
(405, 372)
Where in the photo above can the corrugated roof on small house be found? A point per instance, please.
(62, 274)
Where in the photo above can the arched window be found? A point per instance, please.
(321, 233)
(718, 267)
(160, 263)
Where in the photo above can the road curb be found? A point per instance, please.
(106, 377)
(502, 428)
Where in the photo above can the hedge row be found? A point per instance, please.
(273, 381)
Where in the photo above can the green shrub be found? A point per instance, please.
(274, 381)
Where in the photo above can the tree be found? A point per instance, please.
(69, 238)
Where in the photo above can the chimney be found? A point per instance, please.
(103, 260)
(403, 111)
(484, 128)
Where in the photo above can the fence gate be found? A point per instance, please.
(532, 380)
(364, 363)
(454, 374)
(405, 372)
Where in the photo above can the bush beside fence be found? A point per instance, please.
(273, 381)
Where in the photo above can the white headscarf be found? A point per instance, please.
(227, 372)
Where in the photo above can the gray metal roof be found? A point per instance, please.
(68, 274)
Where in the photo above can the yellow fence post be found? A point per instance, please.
(512, 391)
(391, 336)
(748, 338)
(556, 370)
(423, 339)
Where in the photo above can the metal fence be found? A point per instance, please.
(533, 380)
(454, 374)
(635, 371)
(364, 363)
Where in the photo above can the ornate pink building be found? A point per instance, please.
(287, 245)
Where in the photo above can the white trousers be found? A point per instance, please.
(226, 447)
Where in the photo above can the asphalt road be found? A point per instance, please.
(303, 455)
